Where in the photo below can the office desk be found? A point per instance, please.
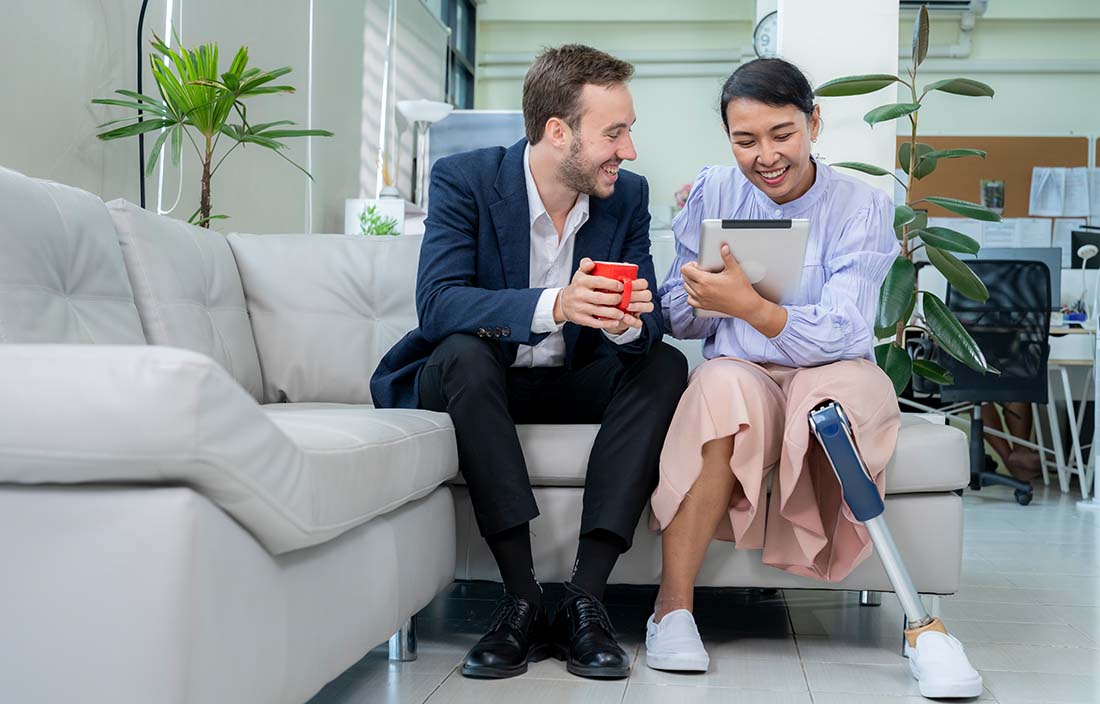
(1070, 347)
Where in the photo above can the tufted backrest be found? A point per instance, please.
(187, 289)
(62, 279)
(325, 309)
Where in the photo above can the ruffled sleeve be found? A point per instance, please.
(841, 324)
(679, 318)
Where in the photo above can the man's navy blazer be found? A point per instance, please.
(474, 273)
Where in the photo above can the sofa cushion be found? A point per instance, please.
(365, 459)
(187, 290)
(62, 279)
(929, 456)
(293, 477)
(352, 299)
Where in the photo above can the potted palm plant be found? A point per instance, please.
(899, 293)
(199, 103)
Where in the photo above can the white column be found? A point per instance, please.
(828, 40)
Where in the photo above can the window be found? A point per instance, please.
(461, 17)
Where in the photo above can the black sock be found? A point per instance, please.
(512, 551)
(596, 556)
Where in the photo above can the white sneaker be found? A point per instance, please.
(940, 666)
(674, 643)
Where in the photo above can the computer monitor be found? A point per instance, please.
(464, 130)
(1051, 256)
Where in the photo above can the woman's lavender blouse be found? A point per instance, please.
(850, 249)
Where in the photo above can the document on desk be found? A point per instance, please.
(1048, 191)
(1063, 237)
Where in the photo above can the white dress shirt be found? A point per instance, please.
(552, 269)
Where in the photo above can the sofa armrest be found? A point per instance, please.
(79, 414)
(325, 309)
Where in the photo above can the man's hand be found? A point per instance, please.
(729, 291)
(586, 301)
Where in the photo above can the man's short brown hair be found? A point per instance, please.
(552, 87)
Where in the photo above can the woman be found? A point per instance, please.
(744, 414)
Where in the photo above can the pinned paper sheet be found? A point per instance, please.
(1016, 232)
(1077, 193)
(1062, 192)
(1094, 192)
(999, 234)
(1048, 192)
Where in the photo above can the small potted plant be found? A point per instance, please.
(197, 100)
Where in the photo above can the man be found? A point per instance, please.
(515, 329)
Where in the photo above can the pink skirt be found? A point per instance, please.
(806, 529)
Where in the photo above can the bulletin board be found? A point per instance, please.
(1008, 159)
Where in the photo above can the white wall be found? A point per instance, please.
(71, 51)
(818, 36)
(682, 52)
(1043, 59)
(68, 51)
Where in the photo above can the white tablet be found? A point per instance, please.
(769, 251)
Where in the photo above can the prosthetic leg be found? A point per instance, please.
(834, 432)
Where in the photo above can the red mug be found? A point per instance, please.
(619, 271)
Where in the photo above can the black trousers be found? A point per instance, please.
(633, 398)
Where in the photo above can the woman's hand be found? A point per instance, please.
(729, 291)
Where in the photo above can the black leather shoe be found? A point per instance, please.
(519, 634)
(585, 639)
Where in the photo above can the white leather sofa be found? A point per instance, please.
(167, 533)
(198, 502)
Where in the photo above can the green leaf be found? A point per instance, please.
(155, 153)
(897, 291)
(865, 168)
(890, 112)
(953, 153)
(951, 335)
(965, 207)
(920, 170)
(933, 372)
(920, 221)
(903, 215)
(855, 85)
(280, 134)
(177, 144)
(896, 363)
(957, 273)
(137, 128)
(961, 86)
(947, 239)
(155, 108)
(920, 37)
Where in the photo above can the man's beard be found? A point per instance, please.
(576, 172)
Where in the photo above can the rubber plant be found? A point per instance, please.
(196, 98)
(898, 297)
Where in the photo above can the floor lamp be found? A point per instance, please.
(423, 113)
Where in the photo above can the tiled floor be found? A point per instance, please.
(1028, 613)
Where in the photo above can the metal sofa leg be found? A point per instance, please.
(403, 643)
(867, 598)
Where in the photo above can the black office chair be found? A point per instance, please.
(1011, 328)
